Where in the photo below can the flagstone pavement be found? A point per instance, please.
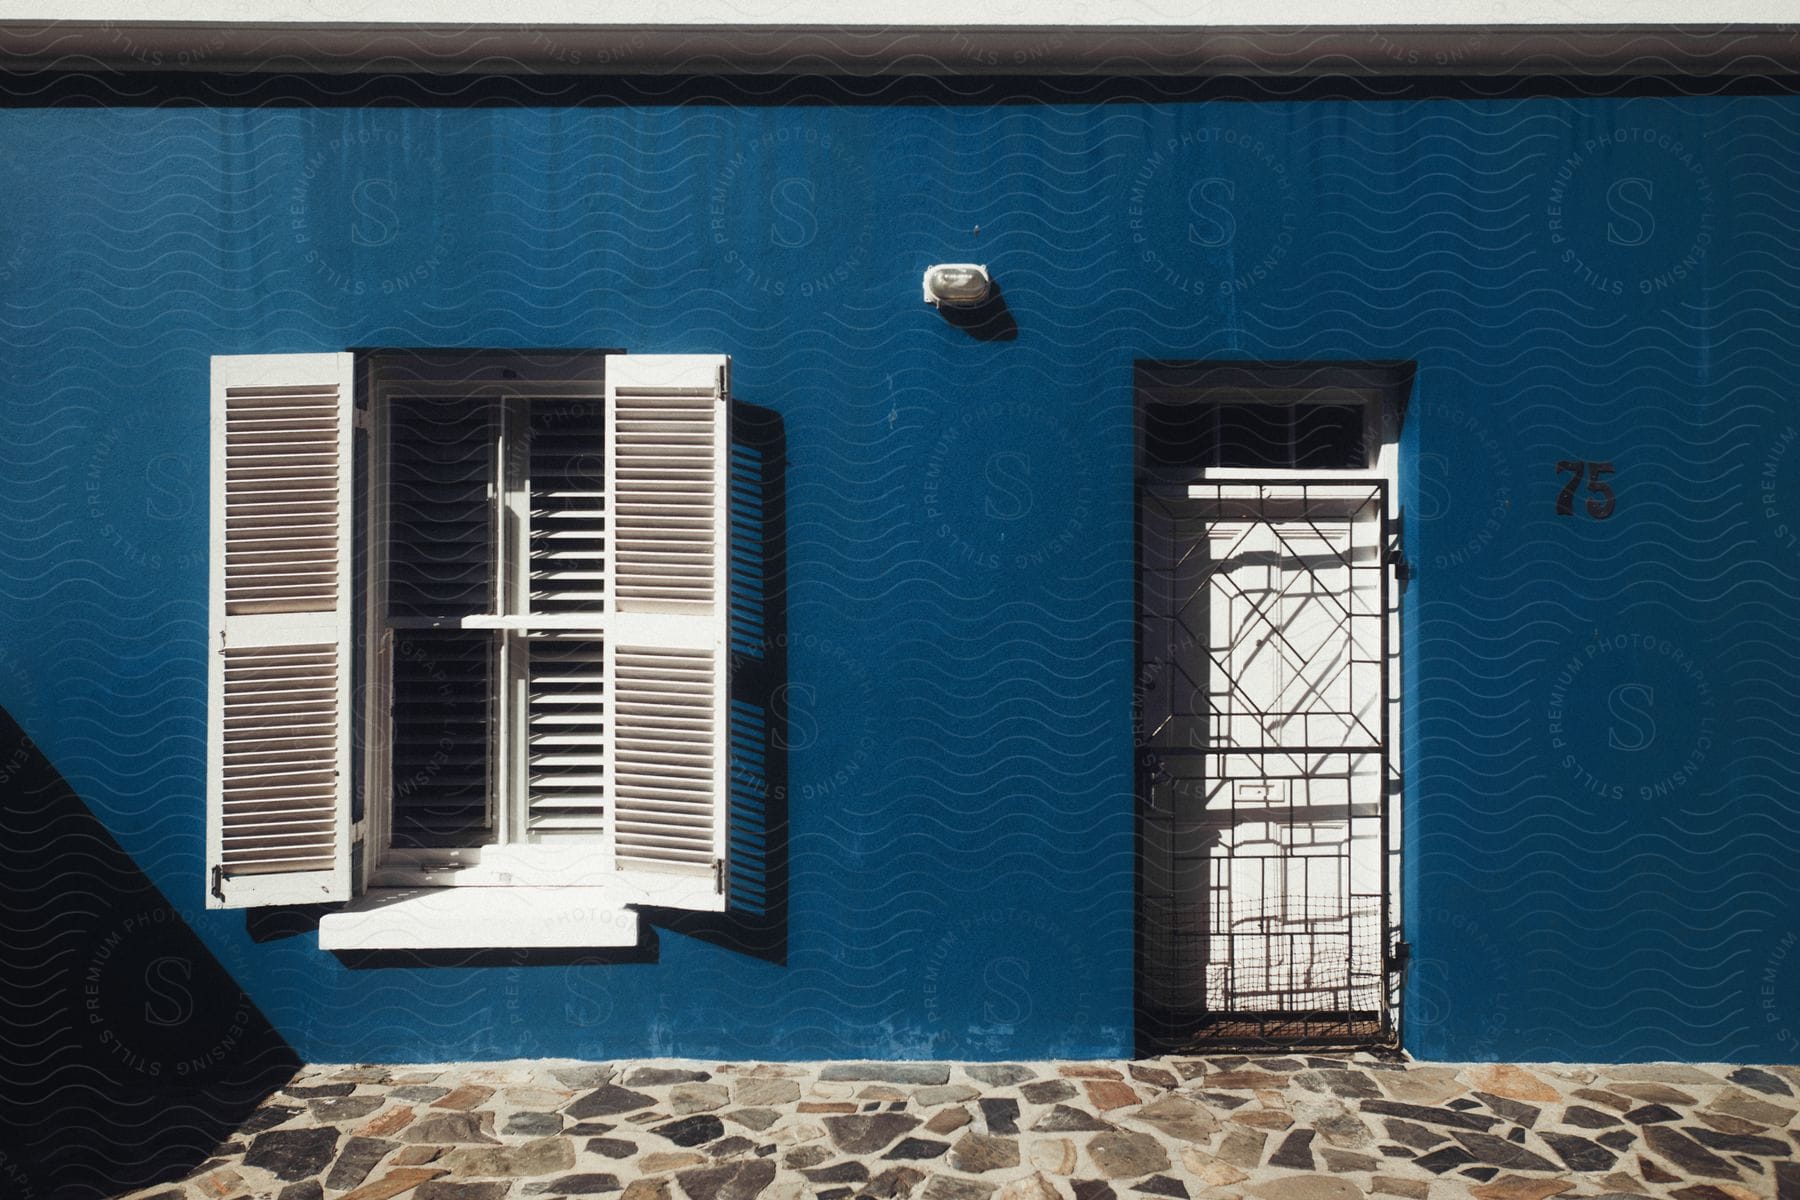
(1300, 1127)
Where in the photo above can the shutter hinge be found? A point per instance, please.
(719, 876)
(218, 881)
(360, 419)
(724, 384)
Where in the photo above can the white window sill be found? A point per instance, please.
(481, 918)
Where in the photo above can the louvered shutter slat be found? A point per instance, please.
(667, 483)
(278, 711)
(568, 509)
(566, 697)
(667, 758)
(566, 785)
(439, 737)
(441, 546)
(440, 497)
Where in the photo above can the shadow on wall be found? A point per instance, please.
(268, 89)
(757, 922)
(990, 321)
(127, 1051)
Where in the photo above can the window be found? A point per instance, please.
(502, 576)
(1236, 428)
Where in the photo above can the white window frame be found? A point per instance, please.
(511, 859)
(512, 894)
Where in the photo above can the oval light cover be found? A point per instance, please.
(956, 284)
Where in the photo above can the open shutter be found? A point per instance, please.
(667, 451)
(278, 700)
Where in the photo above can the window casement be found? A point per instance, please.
(501, 579)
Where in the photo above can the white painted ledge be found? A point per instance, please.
(481, 918)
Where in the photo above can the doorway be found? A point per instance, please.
(1267, 673)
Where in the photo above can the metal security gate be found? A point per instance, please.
(1264, 707)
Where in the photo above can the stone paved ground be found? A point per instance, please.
(1303, 1127)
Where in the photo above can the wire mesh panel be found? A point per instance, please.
(1263, 705)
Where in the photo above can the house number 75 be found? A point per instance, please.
(1600, 500)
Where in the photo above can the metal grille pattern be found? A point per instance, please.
(1264, 707)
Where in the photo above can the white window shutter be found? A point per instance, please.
(667, 470)
(278, 654)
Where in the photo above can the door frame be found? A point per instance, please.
(1386, 387)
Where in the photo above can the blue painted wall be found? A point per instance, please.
(1600, 799)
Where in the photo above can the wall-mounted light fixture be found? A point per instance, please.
(958, 285)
